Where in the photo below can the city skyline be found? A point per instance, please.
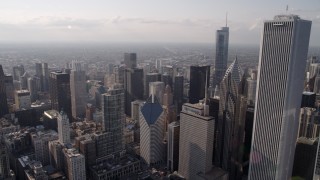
(144, 21)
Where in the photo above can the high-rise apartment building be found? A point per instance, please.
(282, 61)
(222, 44)
(114, 116)
(199, 78)
(3, 96)
(196, 140)
(78, 91)
(60, 92)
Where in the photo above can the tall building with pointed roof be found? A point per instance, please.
(221, 61)
(152, 131)
(227, 106)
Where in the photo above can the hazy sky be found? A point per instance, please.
(145, 20)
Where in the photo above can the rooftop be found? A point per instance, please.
(286, 17)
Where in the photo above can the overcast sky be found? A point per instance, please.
(146, 20)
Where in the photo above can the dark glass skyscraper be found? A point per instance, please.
(133, 87)
(198, 82)
(60, 92)
(3, 95)
(130, 60)
(222, 44)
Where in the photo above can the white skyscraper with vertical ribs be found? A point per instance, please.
(283, 55)
(63, 128)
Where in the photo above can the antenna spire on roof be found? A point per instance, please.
(226, 19)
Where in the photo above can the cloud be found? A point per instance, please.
(257, 24)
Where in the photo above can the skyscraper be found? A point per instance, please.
(63, 128)
(282, 61)
(60, 92)
(178, 92)
(150, 77)
(157, 89)
(114, 116)
(78, 91)
(222, 43)
(133, 84)
(32, 87)
(152, 131)
(130, 60)
(196, 140)
(3, 96)
(198, 81)
(173, 145)
(229, 88)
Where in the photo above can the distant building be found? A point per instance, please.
(130, 60)
(75, 164)
(50, 119)
(221, 61)
(135, 110)
(178, 92)
(308, 99)
(60, 92)
(114, 116)
(123, 167)
(56, 155)
(35, 171)
(309, 123)
(133, 85)
(157, 89)
(305, 157)
(78, 91)
(63, 128)
(152, 131)
(252, 87)
(199, 78)
(32, 87)
(8, 81)
(4, 163)
(150, 77)
(173, 146)
(3, 94)
(40, 142)
(22, 99)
